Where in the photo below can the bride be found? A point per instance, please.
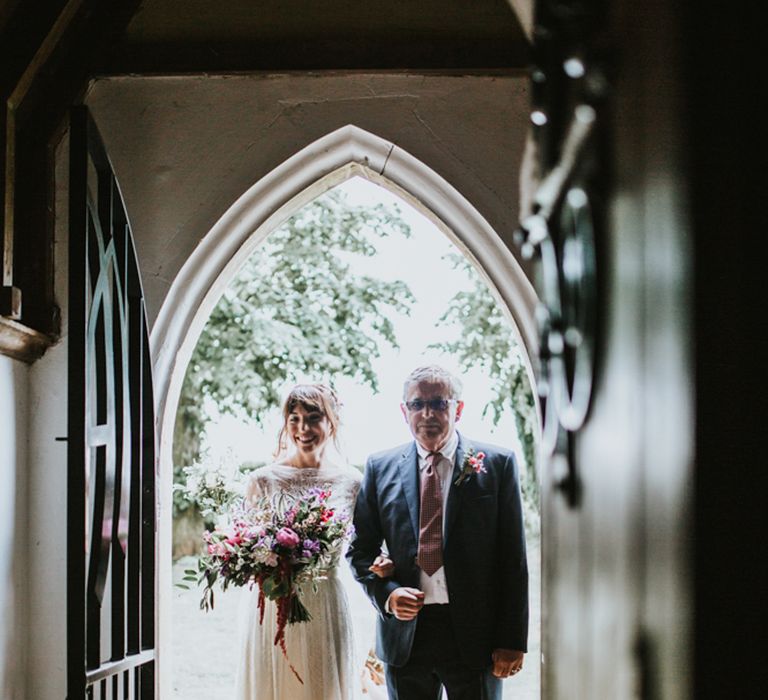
(322, 650)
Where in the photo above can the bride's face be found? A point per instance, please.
(309, 430)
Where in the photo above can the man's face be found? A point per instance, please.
(431, 424)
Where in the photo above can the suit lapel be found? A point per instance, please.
(452, 507)
(409, 478)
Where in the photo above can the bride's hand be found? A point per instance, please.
(375, 669)
(382, 566)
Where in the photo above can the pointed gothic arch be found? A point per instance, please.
(318, 167)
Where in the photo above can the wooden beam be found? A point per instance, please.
(450, 54)
(10, 145)
(23, 28)
(47, 54)
(22, 343)
(10, 301)
(39, 261)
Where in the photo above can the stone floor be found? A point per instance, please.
(205, 645)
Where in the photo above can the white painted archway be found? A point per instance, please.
(315, 169)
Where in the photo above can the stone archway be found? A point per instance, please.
(318, 167)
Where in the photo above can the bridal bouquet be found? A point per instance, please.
(281, 543)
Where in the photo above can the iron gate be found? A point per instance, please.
(111, 449)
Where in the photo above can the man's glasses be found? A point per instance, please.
(434, 404)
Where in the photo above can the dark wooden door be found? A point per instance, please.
(111, 455)
(610, 235)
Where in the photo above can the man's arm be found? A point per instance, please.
(366, 542)
(512, 629)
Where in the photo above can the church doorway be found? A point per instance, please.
(205, 282)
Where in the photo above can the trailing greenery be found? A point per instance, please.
(486, 341)
(295, 308)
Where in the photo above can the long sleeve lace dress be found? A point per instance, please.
(322, 650)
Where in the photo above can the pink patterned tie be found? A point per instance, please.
(431, 518)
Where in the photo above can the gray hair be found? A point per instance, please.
(435, 375)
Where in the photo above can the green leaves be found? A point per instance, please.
(296, 307)
(275, 588)
(189, 575)
(486, 341)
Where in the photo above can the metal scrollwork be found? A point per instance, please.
(560, 234)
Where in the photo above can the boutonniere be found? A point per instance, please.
(472, 464)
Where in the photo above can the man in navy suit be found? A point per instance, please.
(454, 612)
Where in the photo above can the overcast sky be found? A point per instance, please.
(373, 422)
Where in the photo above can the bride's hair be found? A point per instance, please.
(311, 397)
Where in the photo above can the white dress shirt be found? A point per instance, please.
(435, 586)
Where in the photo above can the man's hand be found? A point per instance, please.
(405, 603)
(506, 662)
(382, 566)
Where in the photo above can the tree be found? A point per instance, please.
(486, 341)
(295, 308)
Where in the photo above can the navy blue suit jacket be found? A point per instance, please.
(483, 550)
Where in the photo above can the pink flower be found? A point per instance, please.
(287, 537)
(218, 549)
(473, 464)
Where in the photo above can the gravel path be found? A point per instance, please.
(205, 645)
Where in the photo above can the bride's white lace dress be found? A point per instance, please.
(322, 650)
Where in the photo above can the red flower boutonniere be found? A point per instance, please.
(473, 464)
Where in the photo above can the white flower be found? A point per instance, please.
(211, 479)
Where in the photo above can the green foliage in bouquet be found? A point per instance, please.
(282, 544)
